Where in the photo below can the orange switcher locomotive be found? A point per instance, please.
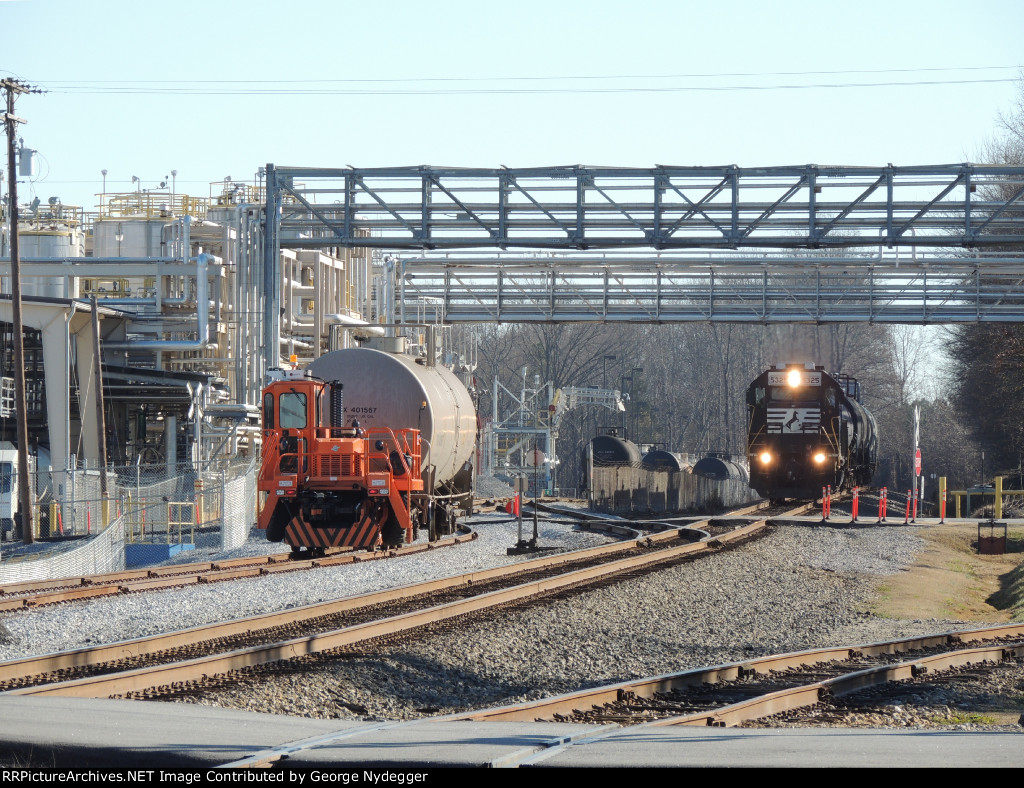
(338, 471)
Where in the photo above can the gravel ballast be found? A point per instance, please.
(800, 587)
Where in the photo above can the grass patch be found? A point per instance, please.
(1010, 595)
(963, 718)
(949, 579)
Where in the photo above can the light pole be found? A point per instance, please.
(625, 397)
(604, 370)
(632, 389)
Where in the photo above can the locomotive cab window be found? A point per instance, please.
(293, 410)
(787, 394)
(268, 411)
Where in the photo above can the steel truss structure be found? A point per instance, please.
(950, 213)
(731, 289)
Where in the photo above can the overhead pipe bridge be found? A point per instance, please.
(923, 244)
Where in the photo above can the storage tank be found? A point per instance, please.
(383, 389)
(52, 231)
(123, 237)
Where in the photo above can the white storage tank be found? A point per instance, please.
(45, 233)
(121, 237)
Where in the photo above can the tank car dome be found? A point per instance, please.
(722, 470)
(609, 450)
(661, 460)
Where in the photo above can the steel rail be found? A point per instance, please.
(21, 596)
(810, 694)
(174, 674)
(838, 686)
(565, 705)
(97, 655)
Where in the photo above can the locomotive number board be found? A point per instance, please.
(807, 377)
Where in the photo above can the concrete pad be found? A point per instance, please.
(685, 746)
(81, 732)
(440, 744)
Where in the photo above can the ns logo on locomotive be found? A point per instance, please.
(807, 430)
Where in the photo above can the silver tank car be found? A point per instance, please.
(383, 389)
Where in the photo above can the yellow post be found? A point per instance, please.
(957, 506)
(942, 499)
(999, 498)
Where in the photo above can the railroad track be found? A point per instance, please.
(170, 663)
(740, 692)
(19, 596)
(36, 593)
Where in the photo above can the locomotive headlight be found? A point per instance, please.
(765, 458)
(793, 378)
(819, 457)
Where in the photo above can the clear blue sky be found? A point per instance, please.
(657, 111)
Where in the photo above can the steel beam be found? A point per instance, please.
(815, 289)
(422, 208)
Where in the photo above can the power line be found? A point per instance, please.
(546, 78)
(295, 91)
(492, 85)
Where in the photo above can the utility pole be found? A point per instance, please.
(13, 88)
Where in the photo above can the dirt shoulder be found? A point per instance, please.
(949, 580)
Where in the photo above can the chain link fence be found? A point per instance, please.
(103, 553)
(138, 505)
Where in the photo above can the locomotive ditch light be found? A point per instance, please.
(819, 457)
(793, 378)
(765, 457)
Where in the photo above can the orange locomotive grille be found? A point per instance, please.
(337, 464)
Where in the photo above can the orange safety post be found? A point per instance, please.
(824, 505)
(942, 499)
(907, 518)
(883, 504)
(913, 518)
(856, 504)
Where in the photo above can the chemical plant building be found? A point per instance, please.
(179, 287)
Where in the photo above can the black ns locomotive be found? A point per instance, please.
(808, 430)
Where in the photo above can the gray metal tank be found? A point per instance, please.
(395, 390)
(712, 467)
